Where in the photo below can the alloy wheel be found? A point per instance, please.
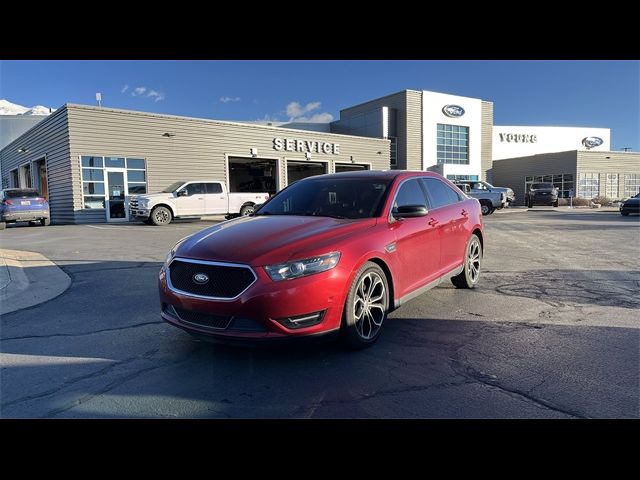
(369, 305)
(473, 260)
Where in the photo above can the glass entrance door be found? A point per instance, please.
(117, 193)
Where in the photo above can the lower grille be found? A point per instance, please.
(217, 322)
(214, 322)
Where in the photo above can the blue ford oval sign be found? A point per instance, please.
(453, 111)
(591, 142)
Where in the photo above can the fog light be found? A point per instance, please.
(301, 321)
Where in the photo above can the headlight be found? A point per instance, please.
(304, 267)
(143, 203)
(172, 252)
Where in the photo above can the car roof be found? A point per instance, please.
(374, 174)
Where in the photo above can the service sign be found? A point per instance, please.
(310, 146)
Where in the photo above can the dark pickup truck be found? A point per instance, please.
(542, 194)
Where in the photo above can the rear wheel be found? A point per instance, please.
(161, 216)
(366, 307)
(623, 212)
(486, 208)
(247, 210)
(470, 275)
(555, 204)
(45, 222)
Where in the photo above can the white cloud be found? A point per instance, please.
(324, 117)
(157, 96)
(229, 99)
(152, 94)
(298, 113)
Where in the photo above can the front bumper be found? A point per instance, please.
(543, 199)
(139, 213)
(252, 316)
(24, 216)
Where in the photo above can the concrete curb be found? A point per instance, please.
(27, 279)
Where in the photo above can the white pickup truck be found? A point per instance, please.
(194, 198)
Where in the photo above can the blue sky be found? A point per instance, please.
(571, 93)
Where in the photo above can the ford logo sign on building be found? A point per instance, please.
(453, 111)
(200, 278)
(592, 142)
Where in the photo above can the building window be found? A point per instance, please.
(394, 151)
(564, 182)
(589, 185)
(456, 178)
(453, 144)
(631, 184)
(136, 176)
(611, 186)
(93, 177)
(15, 179)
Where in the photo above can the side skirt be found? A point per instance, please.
(419, 291)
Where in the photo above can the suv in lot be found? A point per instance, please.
(23, 205)
(542, 194)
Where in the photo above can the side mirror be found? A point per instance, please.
(181, 193)
(410, 211)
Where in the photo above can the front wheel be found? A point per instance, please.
(486, 208)
(555, 204)
(247, 210)
(161, 216)
(45, 222)
(366, 307)
(470, 275)
(622, 212)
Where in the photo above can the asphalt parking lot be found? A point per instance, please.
(553, 331)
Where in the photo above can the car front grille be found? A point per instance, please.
(224, 281)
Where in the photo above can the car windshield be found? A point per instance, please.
(22, 193)
(346, 197)
(173, 187)
(536, 186)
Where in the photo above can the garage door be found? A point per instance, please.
(300, 170)
(350, 167)
(253, 175)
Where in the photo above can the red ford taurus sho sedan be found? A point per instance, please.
(330, 253)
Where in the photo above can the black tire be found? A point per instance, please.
(3, 225)
(486, 208)
(45, 222)
(469, 277)
(555, 204)
(161, 216)
(622, 212)
(529, 204)
(362, 332)
(247, 210)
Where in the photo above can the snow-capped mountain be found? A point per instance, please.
(8, 108)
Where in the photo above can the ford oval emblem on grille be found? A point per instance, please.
(591, 142)
(453, 111)
(200, 278)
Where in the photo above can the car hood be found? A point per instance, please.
(263, 240)
(153, 196)
(501, 189)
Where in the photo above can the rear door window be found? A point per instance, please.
(440, 194)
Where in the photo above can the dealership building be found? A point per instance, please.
(88, 160)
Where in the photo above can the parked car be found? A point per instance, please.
(328, 254)
(23, 205)
(479, 186)
(542, 194)
(632, 205)
(489, 201)
(192, 199)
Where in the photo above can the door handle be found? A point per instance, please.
(433, 222)
(464, 212)
(200, 198)
(221, 198)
